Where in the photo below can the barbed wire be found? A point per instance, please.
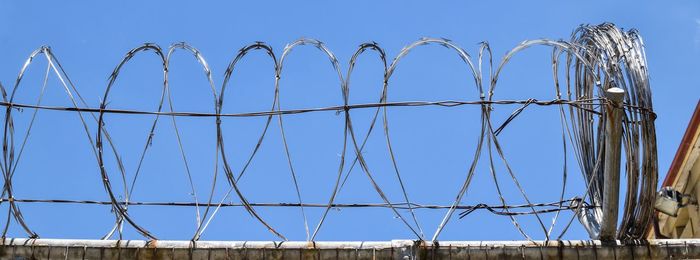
(571, 205)
(596, 58)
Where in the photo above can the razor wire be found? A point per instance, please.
(596, 58)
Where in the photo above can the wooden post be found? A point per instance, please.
(611, 171)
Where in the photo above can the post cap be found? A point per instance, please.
(616, 94)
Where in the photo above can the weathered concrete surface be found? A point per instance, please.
(396, 249)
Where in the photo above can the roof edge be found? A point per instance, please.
(686, 143)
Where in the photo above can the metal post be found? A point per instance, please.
(611, 170)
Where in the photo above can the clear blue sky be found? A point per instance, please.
(433, 145)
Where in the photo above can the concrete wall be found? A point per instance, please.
(397, 249)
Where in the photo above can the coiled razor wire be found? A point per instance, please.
(597, 58)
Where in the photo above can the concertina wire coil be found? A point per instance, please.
(597, 58)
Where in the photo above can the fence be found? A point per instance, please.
(596, 59)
